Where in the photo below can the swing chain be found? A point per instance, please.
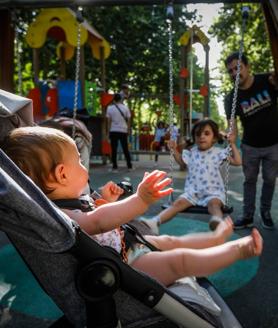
(245, 12)
(170, 16)
(189, 127)
(18, 51)
(77, 69)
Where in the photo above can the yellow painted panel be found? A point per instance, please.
(58, 17)
(96, 48)
(68, 50)
(184, 39)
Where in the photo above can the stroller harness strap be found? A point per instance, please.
(131, 234)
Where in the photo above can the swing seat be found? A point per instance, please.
(87, 281)
(200, 209)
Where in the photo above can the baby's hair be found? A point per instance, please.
(200, 125)
(37, 151)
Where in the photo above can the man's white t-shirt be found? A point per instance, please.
(118, 123)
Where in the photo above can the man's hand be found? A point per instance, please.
(111, 191)
(151, 187)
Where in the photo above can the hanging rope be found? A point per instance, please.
(79, 19)
(245, 14)
(17, 52)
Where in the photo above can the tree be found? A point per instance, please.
(227, 29)
(138, 37)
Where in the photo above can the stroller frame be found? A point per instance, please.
(84, 279)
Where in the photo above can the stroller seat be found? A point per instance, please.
(89, 282)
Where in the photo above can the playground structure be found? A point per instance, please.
(61, 24)
(270, 9)
(191, 36)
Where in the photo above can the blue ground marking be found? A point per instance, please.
(20, 291)
(228, 280)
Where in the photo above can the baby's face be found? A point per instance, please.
(77, 173)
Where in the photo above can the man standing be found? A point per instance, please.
(256, 107)
(118, 116)
(125, 92)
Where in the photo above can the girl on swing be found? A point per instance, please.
(50, 158)
(204, 185)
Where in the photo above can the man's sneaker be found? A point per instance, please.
(267, 221)
(245, 222)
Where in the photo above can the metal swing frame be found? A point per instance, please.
(202, 209)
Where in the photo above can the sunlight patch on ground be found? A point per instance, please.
(235, 195)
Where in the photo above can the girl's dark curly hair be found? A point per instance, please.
(200, 125)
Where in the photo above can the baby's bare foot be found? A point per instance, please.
(224, 230)
(251, 245)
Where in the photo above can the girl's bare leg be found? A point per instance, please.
(171, 265)
(215, 209)
(179, 205)
(195, 240)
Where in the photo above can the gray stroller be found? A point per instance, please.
(88, 282)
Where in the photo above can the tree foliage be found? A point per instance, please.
(227, 29)
(139, 39)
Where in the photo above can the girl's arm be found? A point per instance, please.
(110, 216)
(235, 158)
(178, 157)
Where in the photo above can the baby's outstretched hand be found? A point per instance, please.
(151, 188)
(111, 191)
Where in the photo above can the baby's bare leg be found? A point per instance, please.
(179, 205)
(195, 240)
(251, 245)
(168, 266)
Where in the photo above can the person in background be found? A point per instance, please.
(118, 118)
(256, 107)
(125, 93)
(159, 139)
(175, 133)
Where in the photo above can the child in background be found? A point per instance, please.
(174, 132)
(51, 159)
(204, 185)
(159, 139)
